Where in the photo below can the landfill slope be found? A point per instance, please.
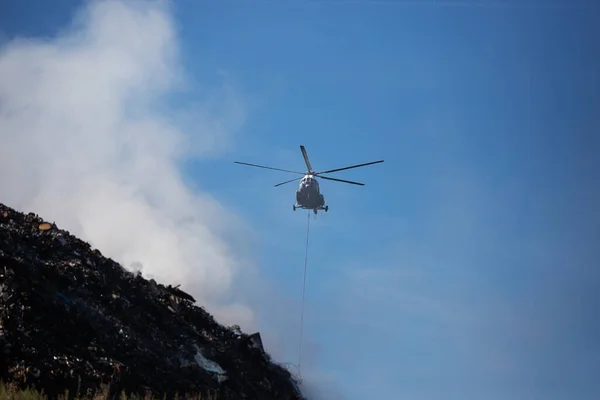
(73, 319)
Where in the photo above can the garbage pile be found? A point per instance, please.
(72, 319)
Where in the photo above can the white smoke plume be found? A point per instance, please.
(87, 141)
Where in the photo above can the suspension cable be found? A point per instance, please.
(303, 294)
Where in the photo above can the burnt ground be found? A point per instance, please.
(73, 319)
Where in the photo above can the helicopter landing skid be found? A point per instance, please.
(324, 208)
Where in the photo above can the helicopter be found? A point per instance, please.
(308, 194)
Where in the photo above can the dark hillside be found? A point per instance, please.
(71, 318)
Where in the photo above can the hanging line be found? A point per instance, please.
(303, 293)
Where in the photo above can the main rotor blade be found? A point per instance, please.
(352, 166)
(341, 180)
(276, 169)
(291, 180)
(306, 158)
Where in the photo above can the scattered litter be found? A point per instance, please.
(256, 341)
(207, 364)
(73, 320)
(65, 298)
(45, 226)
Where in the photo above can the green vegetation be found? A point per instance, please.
(10, 392)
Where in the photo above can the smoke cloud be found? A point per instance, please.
(87, 141)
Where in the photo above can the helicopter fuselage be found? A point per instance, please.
(308, 195)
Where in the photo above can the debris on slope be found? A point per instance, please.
(72, 319)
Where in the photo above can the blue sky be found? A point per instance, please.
(466, 268)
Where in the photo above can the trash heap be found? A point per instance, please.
(71, 319)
